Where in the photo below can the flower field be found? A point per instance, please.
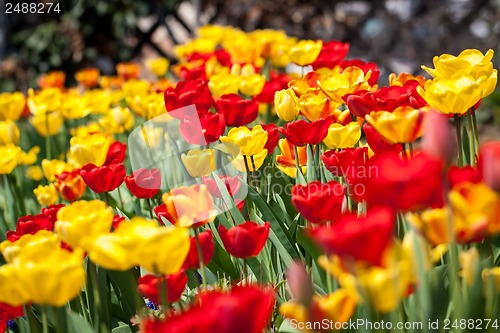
(262, 183)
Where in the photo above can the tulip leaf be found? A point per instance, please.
(125, 286)
(121, 329)
(277, 225)
(221, 263)
(307, 243)
(76, 323)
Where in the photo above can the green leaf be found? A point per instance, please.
(307, 243)
(76, 323)
(122, 329)
(221, 263)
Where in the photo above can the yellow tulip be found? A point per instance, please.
(9, 133)
(253, 162)
(12, 291)
(117, 120)
(30, 157)
(158, 66)
(286, 160)
(244, 48)
(80, 223)
(252, 85)
(87, 129)
(402, 125)
(305, 52)
(433, 224)
(73, 106)
(199, 162)
(342, 136)
(469, 261)
(452, 96)
(90, 149)
(179, 203)
(286, 104)
(200, 45)
(11, 105)
(97, 100)
(46, 195)
(335, 85)
(9, 158)
(315, 105)
(44, 101)
(469, 62)
(34, 173)
(29, 243)
(250, 142)
(135, 88)
(47, 124)
(492, 275)
(147, 107)
(51, 168)
(158, 249)
(400, 80)
(223, 83)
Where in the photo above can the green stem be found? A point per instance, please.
(458, 129)
(45, 319)
(163, 292)
(149, 207)
(47, 137)
(474, 125)
(245, 270)
(200, 258)
(297, 163)
(120, 197)
(472, 140)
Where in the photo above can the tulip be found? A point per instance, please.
(277, 81)
(144, 183)
(46, 195)
(158, 66)
(116, 153)
(315, 105)
(299, 132)
(199, 162)
(9, 133)
(365, 239)
(138, 243)
(206, 241)
(80, 223)
(250, 142)
(224, 84)
(252, 163)
(345, 163)
(377, 143)
(34, 172)
(91, 149)
(179, 204)
(248, 310)
(336, 85)
(204, 129)
(469, 261)
(87, 77)
(232, 184)
(11, 105)
(318, 202)
(117, 120)
(332, 53)
(52, 168)
(305, 52)
(300, 283)
(390, 181)
(286, 104)
(70, 185)
(366, 67)
(128, 70)
(47, 124)
(287, 160)
(251, 85)
(8, 313)
(103, 179)
(9, 157)
(272, 137)
(53, 79)
(149, 286)
(489, 164)
(493, 275)
(190, 92)
(342, 136)
(30, 224)
(245, 240)
(162, 213)
(457, 175)
(438, 137)
(44, 102)
(30, 157)
(237, 111)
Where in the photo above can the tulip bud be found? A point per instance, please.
(489, 164)
(438, 138)
(300, 283)
(286, 104)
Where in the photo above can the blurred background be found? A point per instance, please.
(399, 35)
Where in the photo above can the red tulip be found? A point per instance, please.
(117, 220)
(319, 202)
(232, 184)
(457, 175)
(300, 132)
(242, 309)
(70, 185)
(187, 93)
(245, 240)
(207, 248)
(161, 213)
(273, 137)
(391, 181)
(238, 111)
(439, 139)
(365, 67)
(116, 153)
(332, 53)
(103, 179)
(489, 164)
(30, 224)
(377, 143)
(7, 313)
(204, 129)
(144, 183)
(149, 286)
(51, 212)
(363, 239)
(346, 162)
